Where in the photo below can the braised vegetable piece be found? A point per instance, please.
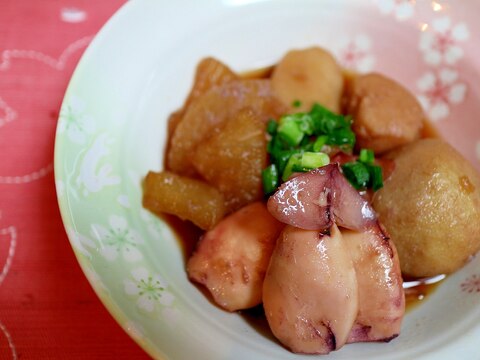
(305, 77)
(231, 260)
(186, 198)
(310, 293)
(210, 72)
(209, 113)
(385, 114)
(233, 158)
(431, 208)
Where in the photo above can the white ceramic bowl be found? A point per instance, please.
(112, 131)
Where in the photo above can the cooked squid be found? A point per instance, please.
(316, 199)
(381, 302)
(232, 258)
(310, 293)
(323, 288)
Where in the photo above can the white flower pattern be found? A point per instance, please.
(80, 242)
(442, 44)
(94, 173)
(439, 91)
(119, 239)
(355, 53)
(402, 9)
(150, 290)
(75, 122)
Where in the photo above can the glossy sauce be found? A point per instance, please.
(416, 294)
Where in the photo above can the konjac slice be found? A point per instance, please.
(189, 199)
(380, 292)
(209, 113)
(310, 292)
(232, 159)
(231, 259)
(316, 199)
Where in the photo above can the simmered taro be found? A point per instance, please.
(431, 208)
(308, 76)
(385, 114)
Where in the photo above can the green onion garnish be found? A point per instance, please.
(298, 141)
(313, 160)
(319, 143)
(376, 177)
(294, 160)
(297, 103)
(363, 173)
(366, 156)
(290, 132)
(357, 174)
(270, 179)
(272, 127)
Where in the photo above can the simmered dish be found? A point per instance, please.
(316, 191)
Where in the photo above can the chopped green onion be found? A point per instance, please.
(319, 143)
(366, 156)
(272, 127)
(299, 141)
(270, 179)
(376, 177)
(294, 160)
(357, 174)
(283, 157)
(297, 103)
(313, 160)
(290, 132)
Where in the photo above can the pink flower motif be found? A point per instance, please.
(439, 91)
(402, 9)
(354, 53)
(471, 284)
(442, 44)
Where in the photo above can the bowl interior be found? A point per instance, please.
(112, 130)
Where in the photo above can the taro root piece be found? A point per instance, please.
(430, 205)
(309, 76)
(385, 114)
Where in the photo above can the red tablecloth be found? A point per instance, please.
(47, 308)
